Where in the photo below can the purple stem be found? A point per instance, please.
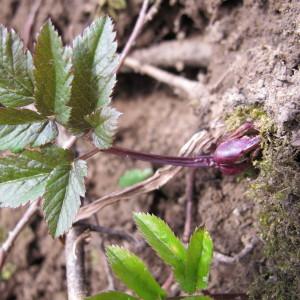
(191, 162)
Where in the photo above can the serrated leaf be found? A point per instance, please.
(104, 124)
(134, 273)
(20, 128)
(112, 296)
(162, 239)
(23, 177)
(64, 187)
(131, 177)
(16, 85)
(198, 259)
(52, 75)
(94, 63)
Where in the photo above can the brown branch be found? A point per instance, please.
(13, 234)
(189, 205)
(193, 52)
(107, 269)
(194, 90)
(221, 258)
(75, 268)
(167, 284)
(27, 29)
(108, 231)
(153, 10)
(136, 30)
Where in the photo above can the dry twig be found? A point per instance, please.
(194, 90)
(13, 234)
(189, 205)
(193, 52)
(27, 30)
(136, 30)
(119, 234)
(221, 258)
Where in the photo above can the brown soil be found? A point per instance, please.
(258, 42)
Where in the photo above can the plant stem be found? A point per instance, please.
(191, 162)
(74, 251)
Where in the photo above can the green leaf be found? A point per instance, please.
(196, 298)
(104, 123)
(52, 75)
(23, 177)
(112, 296)
(20, 128)
(16, 86)
(94, 63)
(117, 4)
(162, 239)
(134, 273)
(134, 176)
(198, 259)
(62, 198)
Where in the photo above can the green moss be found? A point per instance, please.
(277, 191)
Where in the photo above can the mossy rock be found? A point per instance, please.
(277, 192)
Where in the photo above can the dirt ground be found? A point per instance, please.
(254, 47)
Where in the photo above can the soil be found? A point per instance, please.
(257, 44)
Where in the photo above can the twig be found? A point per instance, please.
(30, 21)
(221, 258)
(136, 30)
(110, 280)
(189, 205)
(192, 89)
(161, 177)
(193, 52)
(74, 252)
(13, 235)
(153, 10)
(105, 230)
(167, 284)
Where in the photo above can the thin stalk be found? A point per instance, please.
(191, 162)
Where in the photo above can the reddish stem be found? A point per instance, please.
(192, 162)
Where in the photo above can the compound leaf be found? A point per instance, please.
(104, 124)
(64, 187)
(23, 177)
(134, 273)
(112, 296)
(94, 62)
(52, 75)
(198, 259)
(16, 84)
(162, 239)
(20, 128)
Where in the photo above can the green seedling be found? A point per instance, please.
(190, 264)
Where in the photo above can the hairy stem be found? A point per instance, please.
(74, 251)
